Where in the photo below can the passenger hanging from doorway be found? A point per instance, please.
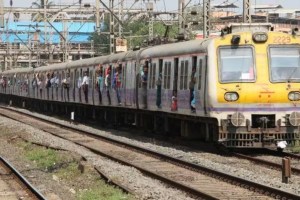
(79, 82)
(39, 79)
(48, 83)
(144, 85)
(34, 85)
(107, 83)
(174, 101)
(192, 90)
(52, 81)
(99, 84)
(117, 83)
(66, 86)
(85, 85)
(158, 90)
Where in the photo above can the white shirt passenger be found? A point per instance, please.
(85, 80)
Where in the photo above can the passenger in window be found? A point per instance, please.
(99, 84)
(85, 85)
(158, 91)
(107, 83)
(192, 90)
(144, 85)
(79, 82)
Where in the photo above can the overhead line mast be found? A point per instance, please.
(246, 11)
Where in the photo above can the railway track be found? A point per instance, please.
(14, 186)
(196, 180)
(276, 164)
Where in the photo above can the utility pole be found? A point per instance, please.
(206, 18)
(1, 14)
(246, 12)
(111, 28)
(97, 16)
(181, 20)
(149, 7)
(45, 20)
(121, 17)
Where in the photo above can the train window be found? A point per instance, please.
(200, 73)
(184, 74)
(236, 64)
(167, 75)
(186, 63)
(284, 64)
(152, 76)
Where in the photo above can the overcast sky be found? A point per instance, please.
(169, 4)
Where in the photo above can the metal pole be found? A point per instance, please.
(121, 17)
(111, 28)
(246, 12)
(206, 18)
(181, 4)
(97, 17)
(45, 20)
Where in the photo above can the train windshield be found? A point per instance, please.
(236, 64)
(285, 64)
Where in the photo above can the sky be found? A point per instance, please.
(169, 5)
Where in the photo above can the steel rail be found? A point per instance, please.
(197, 168)
(32, 189)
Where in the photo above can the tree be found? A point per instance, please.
(40, 16)
(139, 28)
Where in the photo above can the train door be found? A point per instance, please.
(91, 72)
(174, 105)
(152, 83)
(159, 83)
(129, 83)
(167, 92)
(98, 81)
(200, 84)
(143, 85)
(183, 90)
(72, 85)
(85, 85)
(121, 83)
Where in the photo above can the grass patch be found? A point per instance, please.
(295, 149)
(88, 185)
(102, 191)
(47, 159)
(69, 173)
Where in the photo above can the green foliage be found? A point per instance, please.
(47, 159)
(138, 28)
(102, 191)
(70, 172)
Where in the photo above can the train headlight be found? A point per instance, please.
(237, 119)
(260, 37)
(231, 96)
(294, 96)
(294, 118)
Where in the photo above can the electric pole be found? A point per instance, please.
(206, 18)
(181, 20)
(97, 17)
(111, 28)
(246, 12)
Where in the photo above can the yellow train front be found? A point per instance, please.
(256, 98)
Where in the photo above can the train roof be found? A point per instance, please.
(17, 70)
(180, 48)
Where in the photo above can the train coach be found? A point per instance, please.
(241, 89)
